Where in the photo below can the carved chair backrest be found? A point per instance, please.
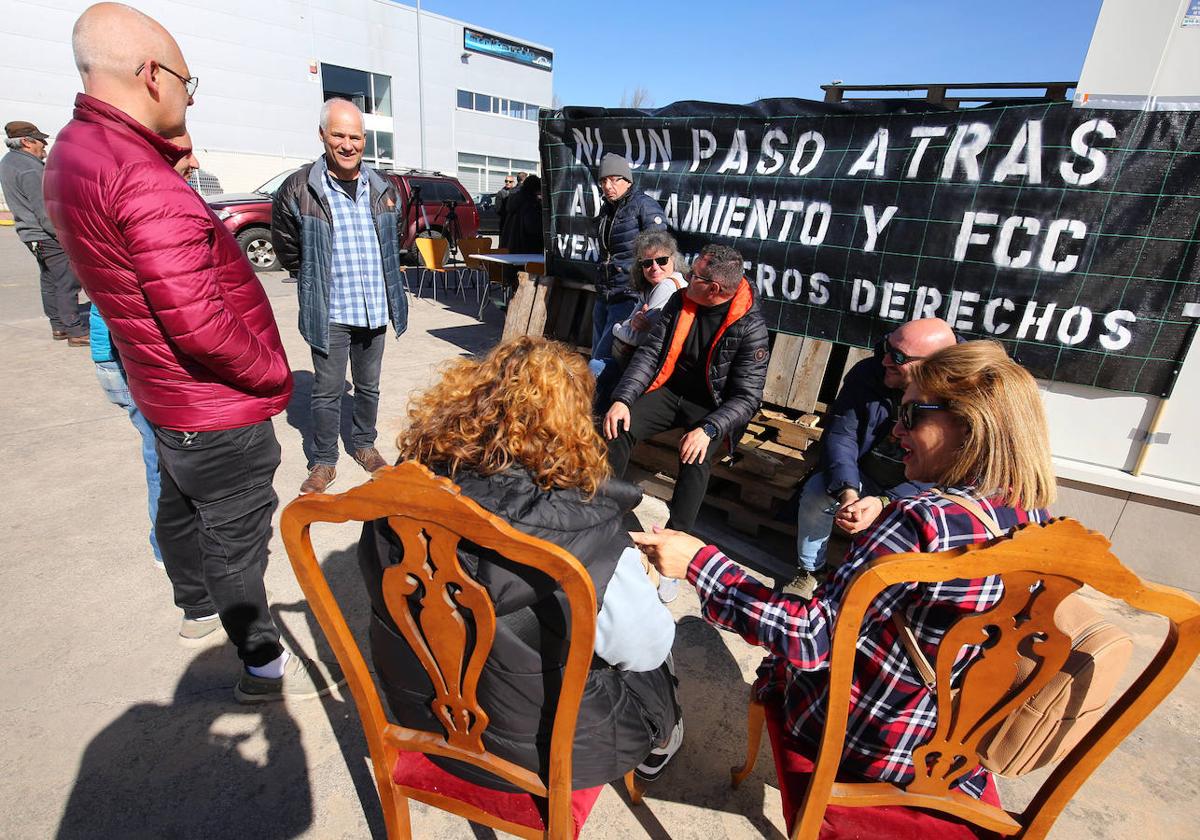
(430, 517)
(1040, 566)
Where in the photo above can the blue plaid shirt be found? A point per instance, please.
(357, 296)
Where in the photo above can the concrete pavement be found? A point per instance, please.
(113, 730)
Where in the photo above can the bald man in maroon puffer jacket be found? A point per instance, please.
(194, 331)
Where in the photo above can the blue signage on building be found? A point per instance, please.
(494, 45)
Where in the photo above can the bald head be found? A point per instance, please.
(128, 60)
(923, 337)
(915, 340)
(110, 39)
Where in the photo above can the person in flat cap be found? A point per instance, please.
(21, 180)
(626, 213)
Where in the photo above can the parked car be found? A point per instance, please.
(248, 217)
(489, 218)
(430, 215)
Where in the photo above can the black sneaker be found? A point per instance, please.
(655, 763)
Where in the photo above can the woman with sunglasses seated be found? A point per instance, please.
(657, 274)
(514, 431)
(971, 422)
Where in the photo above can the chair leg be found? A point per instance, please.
(395, 814)
(754, 727)
(634, 787)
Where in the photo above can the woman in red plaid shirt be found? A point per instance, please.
(971, 422)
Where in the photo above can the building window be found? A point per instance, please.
(485, 174)
(371, 92)
(471, 101)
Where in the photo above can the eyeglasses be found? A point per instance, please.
(660, 261)
(190, 83)
(693, 277)
(898, 357)
(909, 413)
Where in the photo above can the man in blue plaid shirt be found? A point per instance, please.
(335, 227)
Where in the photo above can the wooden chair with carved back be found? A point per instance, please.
(430, 517)
(1040, 566)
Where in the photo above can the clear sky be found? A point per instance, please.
(743, 50)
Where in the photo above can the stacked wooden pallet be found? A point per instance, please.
(755, 483)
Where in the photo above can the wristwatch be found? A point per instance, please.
(710, 429)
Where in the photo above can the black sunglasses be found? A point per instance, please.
(898, 357)
(190, 83)
(662, 262)
(909, 413)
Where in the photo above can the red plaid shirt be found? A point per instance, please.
(891, 711)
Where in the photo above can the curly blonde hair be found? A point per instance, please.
(526, 403)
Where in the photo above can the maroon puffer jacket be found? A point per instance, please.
(188, 316)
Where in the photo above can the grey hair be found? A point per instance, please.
(657, 240)
(725, 265)
(328, 107)
(14, 142)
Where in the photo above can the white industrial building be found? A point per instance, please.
(437, 93)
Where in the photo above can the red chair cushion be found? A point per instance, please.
(794, 768)
(414, 770)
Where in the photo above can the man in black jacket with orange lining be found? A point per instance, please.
(702, 368)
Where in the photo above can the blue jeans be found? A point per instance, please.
(112, 380)
(362, 347)
(605, 316)
(814, 519)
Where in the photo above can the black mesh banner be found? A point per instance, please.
(1069, 234)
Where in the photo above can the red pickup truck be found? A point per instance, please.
(248, 215)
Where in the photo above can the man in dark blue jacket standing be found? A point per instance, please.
(625, 214)
(861, 470)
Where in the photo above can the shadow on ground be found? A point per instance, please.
(178, 769)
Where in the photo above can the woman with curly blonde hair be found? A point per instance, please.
(514, 431)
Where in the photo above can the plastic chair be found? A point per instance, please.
(433, 254)
(469, 248)
(495, 277)
(1040, 565)
(430, 516)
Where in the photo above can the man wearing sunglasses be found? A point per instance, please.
(860, 469)
(502, 197)
(194, 331)
(702, 368)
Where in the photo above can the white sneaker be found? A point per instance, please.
(653, 765)
(668, 589)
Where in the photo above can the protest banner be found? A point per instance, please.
(1069, 234)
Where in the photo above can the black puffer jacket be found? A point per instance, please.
(623, 714)
(620, 223)
(737, 369)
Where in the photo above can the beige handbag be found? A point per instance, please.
(1049, 723)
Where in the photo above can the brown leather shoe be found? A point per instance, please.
(79, 340)
(319, 479)
(369, 459)
(58, 335)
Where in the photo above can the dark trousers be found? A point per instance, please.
(60, 288)
(214, 524)
(363, 348)
(656, 412)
